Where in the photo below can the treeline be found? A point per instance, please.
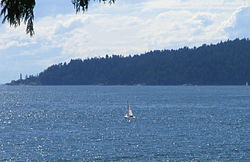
(226, 63)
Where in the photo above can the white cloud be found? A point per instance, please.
(205, 19)
(13, 37)
(94, 35)
(238, 26)
(197, 5)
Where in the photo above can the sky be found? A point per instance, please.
(127, 27)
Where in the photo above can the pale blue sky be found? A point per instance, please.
(127, 27)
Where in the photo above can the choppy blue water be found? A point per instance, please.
(86, 123)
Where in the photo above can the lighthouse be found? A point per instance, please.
(21, 76)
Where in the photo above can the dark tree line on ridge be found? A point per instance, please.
(226, 63)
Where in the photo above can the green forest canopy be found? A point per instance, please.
(17, 11)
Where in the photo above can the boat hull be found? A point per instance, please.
(128, 117)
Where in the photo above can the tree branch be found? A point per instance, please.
(17, 11)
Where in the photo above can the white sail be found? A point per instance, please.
(130, 113)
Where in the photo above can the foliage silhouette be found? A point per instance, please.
(17, 11)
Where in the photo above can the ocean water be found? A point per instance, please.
(86, 123)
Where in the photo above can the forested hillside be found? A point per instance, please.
(226, 63)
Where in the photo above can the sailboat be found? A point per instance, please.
(246, 83)
(130, 113)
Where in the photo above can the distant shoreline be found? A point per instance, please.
(226, 63)
(128, 85)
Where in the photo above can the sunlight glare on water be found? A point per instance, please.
(86, 123)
